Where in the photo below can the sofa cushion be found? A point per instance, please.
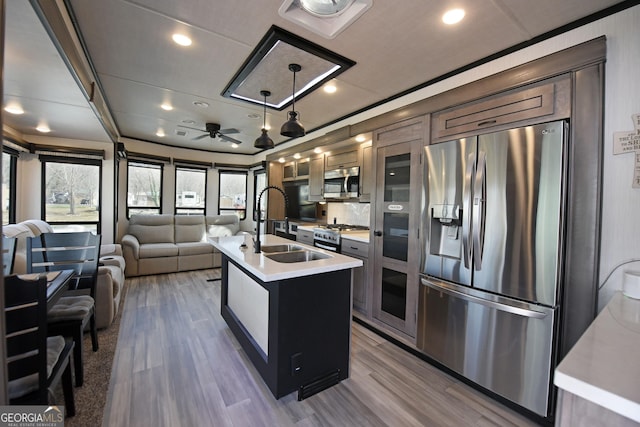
(158, 250)
(38, 226)
(194, 248)
(152, 228)
(189, 228)
(222, 225)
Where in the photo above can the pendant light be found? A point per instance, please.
(292, 127)
(263, 141)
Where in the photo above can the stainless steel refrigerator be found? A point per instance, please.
(493, 231)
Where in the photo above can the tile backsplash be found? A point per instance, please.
(348, 213)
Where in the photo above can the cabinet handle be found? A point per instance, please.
(377, 233)
(487, 122)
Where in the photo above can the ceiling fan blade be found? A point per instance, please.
(188, 127)
(204, 135)
(229, 139)
(228, 131)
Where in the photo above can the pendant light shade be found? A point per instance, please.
(263, 141)
(292, 127)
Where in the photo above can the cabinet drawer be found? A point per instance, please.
(305, 236)
(524, 104)
(354, 247)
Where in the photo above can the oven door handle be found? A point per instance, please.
(328, 248)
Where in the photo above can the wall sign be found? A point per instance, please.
(629, 142)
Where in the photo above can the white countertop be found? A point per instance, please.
(268, 270)
(359, 236)
(604, 365)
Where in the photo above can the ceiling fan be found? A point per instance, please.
(213, 130)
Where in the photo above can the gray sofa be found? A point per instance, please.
(110, 272)
(156, 244)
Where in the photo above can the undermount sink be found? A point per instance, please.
(268, 249)
(296, 256)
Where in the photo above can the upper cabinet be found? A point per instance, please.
(367, 174)
(298, 169)
(545, 101)
(316, 179)
(342, 159)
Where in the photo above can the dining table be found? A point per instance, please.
(57, 283)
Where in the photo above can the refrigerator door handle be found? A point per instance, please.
(479, 194)
(488, 303)
(466, 209)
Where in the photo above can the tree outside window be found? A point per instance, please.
(191, 190)
(233, 193)
(71, 194)
(144, 188)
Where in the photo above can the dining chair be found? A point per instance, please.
(8, 254)
(35, 363)
(77, 251)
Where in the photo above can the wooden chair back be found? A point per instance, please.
(26, 329)
(78, 251)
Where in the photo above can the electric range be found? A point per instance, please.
(329, 236)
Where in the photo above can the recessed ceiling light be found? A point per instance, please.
(200, 104)
(160, 133)
(166, 107)
(181, 39)
(14, 109)
(281, 159)
(234, 145)
(189, 122)
(361, 138)
(453, 16)
(43, 128)
(297, 156)
(253, 116)
(330, 88)
(317, 150)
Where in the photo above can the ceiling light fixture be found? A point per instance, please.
(181, 39)
(166, 107)
(14, 109)
(43, 128)
(325, 17)
(453, 16)
(292, 127)
(263, 141)
(160, 133)
(330, 88)
(201, 104)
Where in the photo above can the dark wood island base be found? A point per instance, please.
(309, 329)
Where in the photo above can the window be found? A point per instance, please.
(8, 188)
(191, 190)
(259, 184)
(233, 193)
(144, 188)
(71, 193)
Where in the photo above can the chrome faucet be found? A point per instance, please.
(256, 242)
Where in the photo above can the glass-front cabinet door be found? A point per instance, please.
(398, 195)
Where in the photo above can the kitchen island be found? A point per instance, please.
(293, 319)
(598, 378)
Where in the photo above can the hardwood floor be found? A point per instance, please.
(177, 364)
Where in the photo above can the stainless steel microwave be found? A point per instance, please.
(342, 183)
